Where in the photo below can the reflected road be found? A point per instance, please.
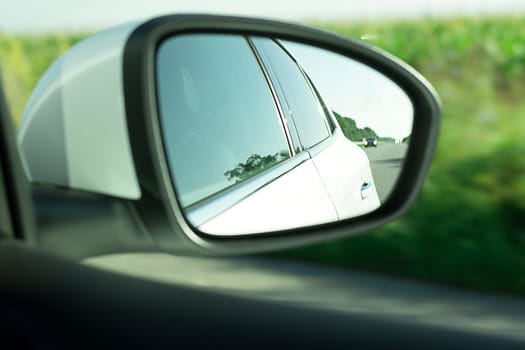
(386, 161)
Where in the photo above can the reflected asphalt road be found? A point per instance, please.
(330, 288)
(386, 161)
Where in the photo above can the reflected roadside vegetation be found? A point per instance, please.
(254, 165)
(467, 226)
(356, 134)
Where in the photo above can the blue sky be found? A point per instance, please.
(71, 15)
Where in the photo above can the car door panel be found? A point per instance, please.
(345, 171)
(303, 201)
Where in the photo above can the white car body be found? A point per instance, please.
(328, 187)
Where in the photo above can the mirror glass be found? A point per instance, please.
(263, 135)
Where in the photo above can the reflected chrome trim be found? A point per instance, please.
(284, 121)
(328, 115)
(201, 213)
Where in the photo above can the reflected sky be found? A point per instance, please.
(357, 91)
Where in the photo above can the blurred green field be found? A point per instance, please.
(468, 226)
(23, 59)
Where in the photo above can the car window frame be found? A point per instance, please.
(316, 95)
(267, 61)
(329, 119)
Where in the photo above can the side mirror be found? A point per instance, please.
(231, 135)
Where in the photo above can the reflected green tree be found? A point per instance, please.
(350, 129)
(254, 165)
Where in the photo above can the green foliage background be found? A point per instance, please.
(468, 225)
(23, 59)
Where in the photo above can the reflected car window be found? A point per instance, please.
(220, 123)
(307, 114)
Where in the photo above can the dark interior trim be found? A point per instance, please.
(15, 201)
(50, 302)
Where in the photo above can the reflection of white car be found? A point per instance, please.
(322, 178)
(335, 183)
